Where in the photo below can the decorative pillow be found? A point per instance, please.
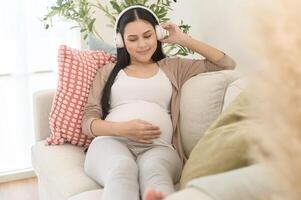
(201, 103)
(77, 69)
(224, 145)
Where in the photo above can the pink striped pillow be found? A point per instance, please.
(77, 69)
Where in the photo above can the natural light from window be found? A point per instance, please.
(28, 63)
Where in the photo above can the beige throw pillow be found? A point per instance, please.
(223, 146)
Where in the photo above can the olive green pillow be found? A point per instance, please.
(223, 146)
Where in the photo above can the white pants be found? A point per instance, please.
(126, 168)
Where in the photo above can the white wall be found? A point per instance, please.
(223, 24)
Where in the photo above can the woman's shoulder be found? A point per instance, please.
(168, 61)
(106, 69)
(171, 62)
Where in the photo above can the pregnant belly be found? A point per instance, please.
(147, 111)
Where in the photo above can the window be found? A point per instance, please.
(28, 63)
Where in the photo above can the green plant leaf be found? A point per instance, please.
(59, 2)
(73, 27)
(165, 19)
(80, 12)
(115, 6)
(90, 25)
(152, 7)
(128, 2)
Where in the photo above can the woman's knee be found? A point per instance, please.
(102, 153)
(116, 168)
(152, 167)
(103, 141)
(122, 166)
(156, 165)
(94, 154)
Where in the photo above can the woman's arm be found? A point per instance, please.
(101, 127)
(186, 68)
(92, 123)
(178, 37)
(136, 130)
(201, 48)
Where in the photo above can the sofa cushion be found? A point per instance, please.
(201, 102)
(234, 89)
(63, 167)
(224, 145)
(77, 69)
(89, 195)
(246, 183)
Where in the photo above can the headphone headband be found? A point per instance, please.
(132, 7)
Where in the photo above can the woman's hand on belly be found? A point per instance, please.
(140, 131)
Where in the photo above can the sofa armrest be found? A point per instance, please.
(248, 183)
(189, 193)
(42, 101)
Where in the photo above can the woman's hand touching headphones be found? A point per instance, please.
(175, 33)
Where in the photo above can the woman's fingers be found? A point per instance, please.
(151, 128)
(167, 25)
(152, 132)
(146, 141)
(150, 137)
(146, 123)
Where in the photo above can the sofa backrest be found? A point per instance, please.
(234, 89)
(202, 100)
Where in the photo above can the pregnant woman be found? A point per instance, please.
(133, 108)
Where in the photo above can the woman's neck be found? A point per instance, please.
(142, 64)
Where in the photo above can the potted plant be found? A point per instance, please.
(81, 13)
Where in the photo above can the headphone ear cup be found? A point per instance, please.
(118, 41)
(160, 32)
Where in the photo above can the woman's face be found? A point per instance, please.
(140, 41)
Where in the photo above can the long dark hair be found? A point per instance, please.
(123, 57)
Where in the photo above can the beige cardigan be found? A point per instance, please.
(178, 70)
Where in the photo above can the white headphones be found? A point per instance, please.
(160, 32)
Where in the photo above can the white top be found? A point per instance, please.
(147, 99)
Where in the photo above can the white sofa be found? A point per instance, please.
(60, 169)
